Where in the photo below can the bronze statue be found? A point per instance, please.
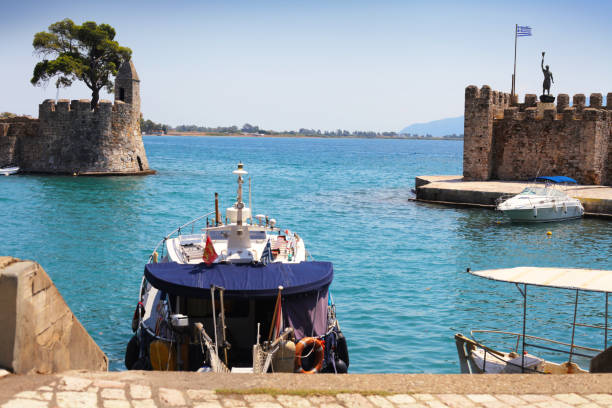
(548, 77)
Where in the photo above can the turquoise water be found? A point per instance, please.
(400, 284)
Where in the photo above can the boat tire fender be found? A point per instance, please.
(131, 352)
(342, 348)
(306, 347)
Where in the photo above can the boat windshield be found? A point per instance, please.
(543, 191)
(533, 191)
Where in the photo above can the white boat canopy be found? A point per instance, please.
(595, 280)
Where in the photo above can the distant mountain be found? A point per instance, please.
(436, 128)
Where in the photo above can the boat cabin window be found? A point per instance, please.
(218, 235)
(257, 234)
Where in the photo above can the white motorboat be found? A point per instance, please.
(7, 171)
(542, 203)
(477, 358)
(238, 296)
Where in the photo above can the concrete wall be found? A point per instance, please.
(39, 332)
(519, 142)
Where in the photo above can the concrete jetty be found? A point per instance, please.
(189, 389)
(39, 333)
(454, 190)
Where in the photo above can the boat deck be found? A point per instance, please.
(453, 190)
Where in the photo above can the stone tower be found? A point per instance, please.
(508, 140)
(127, 85)
(70, 138)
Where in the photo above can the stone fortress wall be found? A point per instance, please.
(505, 140)
(70, 137)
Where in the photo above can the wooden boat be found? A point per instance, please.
(7, 171)
(239, 296)
(476, 358)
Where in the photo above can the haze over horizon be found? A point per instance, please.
(349, 65)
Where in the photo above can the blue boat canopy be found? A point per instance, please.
(555, 179)
(239, 280)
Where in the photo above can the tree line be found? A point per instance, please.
(148, 126)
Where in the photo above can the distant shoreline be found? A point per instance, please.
(287, 135)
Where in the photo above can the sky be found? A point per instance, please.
(285, 65)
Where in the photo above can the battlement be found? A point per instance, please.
(486, 95)
(80, 107)
(508, 140)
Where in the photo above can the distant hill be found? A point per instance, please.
(449, 126)
(436, 128)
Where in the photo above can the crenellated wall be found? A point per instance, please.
(518, 142)
(70, 137)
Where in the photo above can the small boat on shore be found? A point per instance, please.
(477, 358)
(7, 171)
(238, 296)
(542, 203)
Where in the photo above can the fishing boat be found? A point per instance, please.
(477, 358)
(7, 171)
(542, 203)
(242, 295)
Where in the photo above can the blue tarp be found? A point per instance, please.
(239, 280)
(556, 179)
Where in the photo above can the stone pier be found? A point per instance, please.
(454, 190)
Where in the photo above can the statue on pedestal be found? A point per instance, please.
(548, 78)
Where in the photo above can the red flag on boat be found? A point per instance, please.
(209, 254)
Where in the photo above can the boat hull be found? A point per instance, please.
(7, 171)
(544, 214)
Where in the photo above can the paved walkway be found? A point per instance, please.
(147, 389)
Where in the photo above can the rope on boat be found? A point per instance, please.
(216, 364)
(262, 359)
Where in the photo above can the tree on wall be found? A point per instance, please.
(84, 52)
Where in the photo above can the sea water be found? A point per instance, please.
(400, 282)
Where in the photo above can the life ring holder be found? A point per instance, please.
(318, 347)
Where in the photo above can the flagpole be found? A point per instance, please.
(514, 74)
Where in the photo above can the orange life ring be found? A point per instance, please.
(311, 345)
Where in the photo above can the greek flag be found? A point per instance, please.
(523, 31)
(266, 255)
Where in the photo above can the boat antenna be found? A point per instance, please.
(217, 215)
(250, 205)
(239, 204)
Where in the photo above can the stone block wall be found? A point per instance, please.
(39, 332)
(13, 132)
(482, 106)
(529, 139)
(74, 138)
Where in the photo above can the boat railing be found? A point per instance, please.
(519, 336)
(189, 225)
(503, 198)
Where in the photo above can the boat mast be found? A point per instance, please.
(239, 204)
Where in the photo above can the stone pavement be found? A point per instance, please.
(139, 389)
